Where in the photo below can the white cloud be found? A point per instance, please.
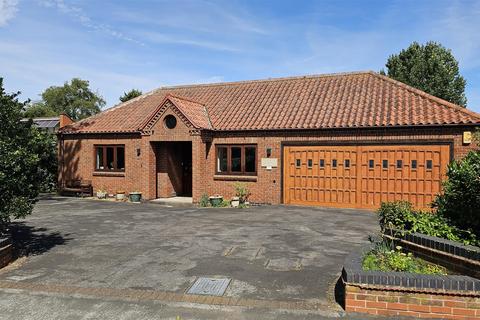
(8, 9)
(79, 15)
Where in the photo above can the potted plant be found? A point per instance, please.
(241, 191)
(235, 202)
(216, 200)
(135, 196)
(101, 193)
(120, 196)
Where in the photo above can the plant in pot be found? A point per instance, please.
(242, 193)
(135, 196)
(102, 193)
(120, 196)
(216, 200)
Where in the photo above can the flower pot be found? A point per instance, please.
(120, 196)
(215, 201)
(135, 196)
(235, 202)
(101, 194)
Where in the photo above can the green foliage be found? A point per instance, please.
(74, 98)
(24, 150)
(204, 201)
(241, 191)
(395, 215)
(130, 95)
(431, 68)
(400, 215)
(38, 110)
(384, 258)
(460, 199)
(224, 203)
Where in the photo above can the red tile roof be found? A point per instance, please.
(347, 100)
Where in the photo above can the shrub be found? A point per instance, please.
(395, 215)
(460, 200)
(401, 215)
(204, 201)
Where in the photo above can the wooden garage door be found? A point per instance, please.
(363, 176)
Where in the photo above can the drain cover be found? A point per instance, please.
(209, 286)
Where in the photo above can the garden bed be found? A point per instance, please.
(408, 294)
(463, 259)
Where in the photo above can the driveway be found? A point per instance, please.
(271, 253)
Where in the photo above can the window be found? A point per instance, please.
(110, 158)
(399, 164)
(334, 163)
(170, 121)
(414, 164)
(322, 163)
(236, 159)
(250, 159)
(222, 160)
(371, 164)
(385, 164)
(310, 163)
(429, 165)
(347, 163)
(298, 163)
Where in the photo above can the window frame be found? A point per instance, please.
(104, 150)
(242, 171)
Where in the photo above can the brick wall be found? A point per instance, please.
(6, 254)
(141, 171)
(267, 187)
(397, 302)
(77, 161)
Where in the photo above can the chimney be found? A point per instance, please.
(65, 120)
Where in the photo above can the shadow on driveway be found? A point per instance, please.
(28, 240)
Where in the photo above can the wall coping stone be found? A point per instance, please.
(447, 246)
(353, 273)
(4, 241)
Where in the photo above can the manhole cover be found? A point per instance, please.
(209, 286)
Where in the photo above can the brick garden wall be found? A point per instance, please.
(396, 302)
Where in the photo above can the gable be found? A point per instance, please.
(192, 114)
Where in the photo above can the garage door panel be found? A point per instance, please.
(363, 176)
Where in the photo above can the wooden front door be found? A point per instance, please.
(363, 176)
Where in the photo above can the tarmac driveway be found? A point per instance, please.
(270, 252)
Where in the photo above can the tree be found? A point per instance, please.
(38, 110)
(74, 98)
(431, 68)
(23, 151)
(130, 95)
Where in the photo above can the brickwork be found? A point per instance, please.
(397, 302)
(77, 156)
(6, 255)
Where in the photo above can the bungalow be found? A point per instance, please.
(343, 140)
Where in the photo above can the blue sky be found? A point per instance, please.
(119, 45)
